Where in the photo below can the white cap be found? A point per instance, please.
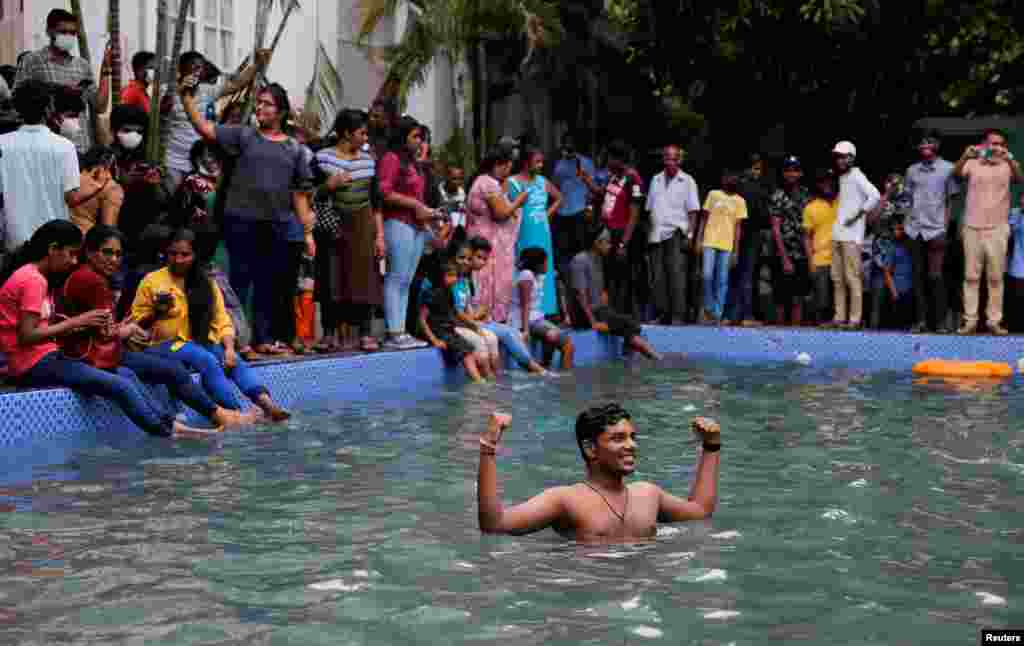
(845, 148)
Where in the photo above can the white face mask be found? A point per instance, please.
(205, 171)
(149, 75)
(70, 128)
(130, 140)
(65, 42)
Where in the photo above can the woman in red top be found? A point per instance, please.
(89, 288)
(406, 230)
(29, 341)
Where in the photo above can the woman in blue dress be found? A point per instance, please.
(540, 207)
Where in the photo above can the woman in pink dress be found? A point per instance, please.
(490, 215)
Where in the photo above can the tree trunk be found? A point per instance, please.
(167, 75)
(179, 37)
(473, 61)
(115, 51)
(83, 39)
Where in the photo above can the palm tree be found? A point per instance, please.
(114, 15)
(179, 37)
(454, 30)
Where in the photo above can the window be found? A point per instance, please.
(219, 32)
(210, 29)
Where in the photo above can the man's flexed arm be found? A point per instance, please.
(535, 514)
(704, 493)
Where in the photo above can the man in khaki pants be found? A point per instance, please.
(988, 169)
(858, 199)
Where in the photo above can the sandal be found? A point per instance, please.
(368, 344)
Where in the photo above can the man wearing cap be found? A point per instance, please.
(931, 184)
(989, 169)
(791, 277)
(674, 206)
(858, 197)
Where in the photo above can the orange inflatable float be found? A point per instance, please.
(964, 369)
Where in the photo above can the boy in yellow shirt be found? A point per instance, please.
(819, 216)
(723, 212)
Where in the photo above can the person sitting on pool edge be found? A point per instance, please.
(590, 308)
(602, 507)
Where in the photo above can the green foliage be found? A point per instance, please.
(458, 151)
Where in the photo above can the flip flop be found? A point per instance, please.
(368, 344)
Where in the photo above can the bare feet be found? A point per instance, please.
(271, 409)
(186, 432)
(234, 418)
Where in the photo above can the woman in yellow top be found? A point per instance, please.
(190, 324)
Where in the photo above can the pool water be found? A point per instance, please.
(855, 508)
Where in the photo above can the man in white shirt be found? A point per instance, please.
(39, 176)
(673, 204)
(858, 197)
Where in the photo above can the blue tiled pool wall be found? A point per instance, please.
(53, 418)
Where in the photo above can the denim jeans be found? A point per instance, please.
(404, 248)
(512, 339)
(742, 290)
(208, 361)
(716, 280)
(121, 386)
(153, 369)
(256, 254)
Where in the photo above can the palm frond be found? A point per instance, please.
(326, 92)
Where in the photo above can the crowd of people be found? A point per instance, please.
(219, 254)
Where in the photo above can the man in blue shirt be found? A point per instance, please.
(573, 174)
(931, 184)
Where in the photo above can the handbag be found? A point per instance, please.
(328, 219)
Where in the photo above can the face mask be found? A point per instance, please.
(65, 42)
(130, 140)
(70, 128)
(150, 76)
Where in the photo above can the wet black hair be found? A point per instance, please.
(55, 233)
(198, 289)
(534, 259)
(478, 243)
(596, 420)
(33, 99)
(57, 16)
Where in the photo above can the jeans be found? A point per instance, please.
(928, 259)
(404, 248)
(282, 324)
(741, 294)
(716, 280)
(255, 254)
(121, 386)
(153, 369)
(512, 339)
(208, 361)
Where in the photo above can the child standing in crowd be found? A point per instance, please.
(438, 321)
(892, 279)
(819, 217)
(305, 308)
(527, 309)
(507, 335)
(724, 210)
(453, 201)
(1016, 267)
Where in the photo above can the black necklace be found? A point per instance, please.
(625, 507)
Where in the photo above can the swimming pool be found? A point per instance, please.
(855, 507)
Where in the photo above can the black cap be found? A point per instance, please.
(790, 162)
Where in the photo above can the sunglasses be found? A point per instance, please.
(112, 253)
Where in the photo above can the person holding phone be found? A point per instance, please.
(989, 170)
(604, 507)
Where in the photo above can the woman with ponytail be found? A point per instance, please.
(192, 325)
(30, 341)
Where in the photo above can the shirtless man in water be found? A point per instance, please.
(603, 507)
